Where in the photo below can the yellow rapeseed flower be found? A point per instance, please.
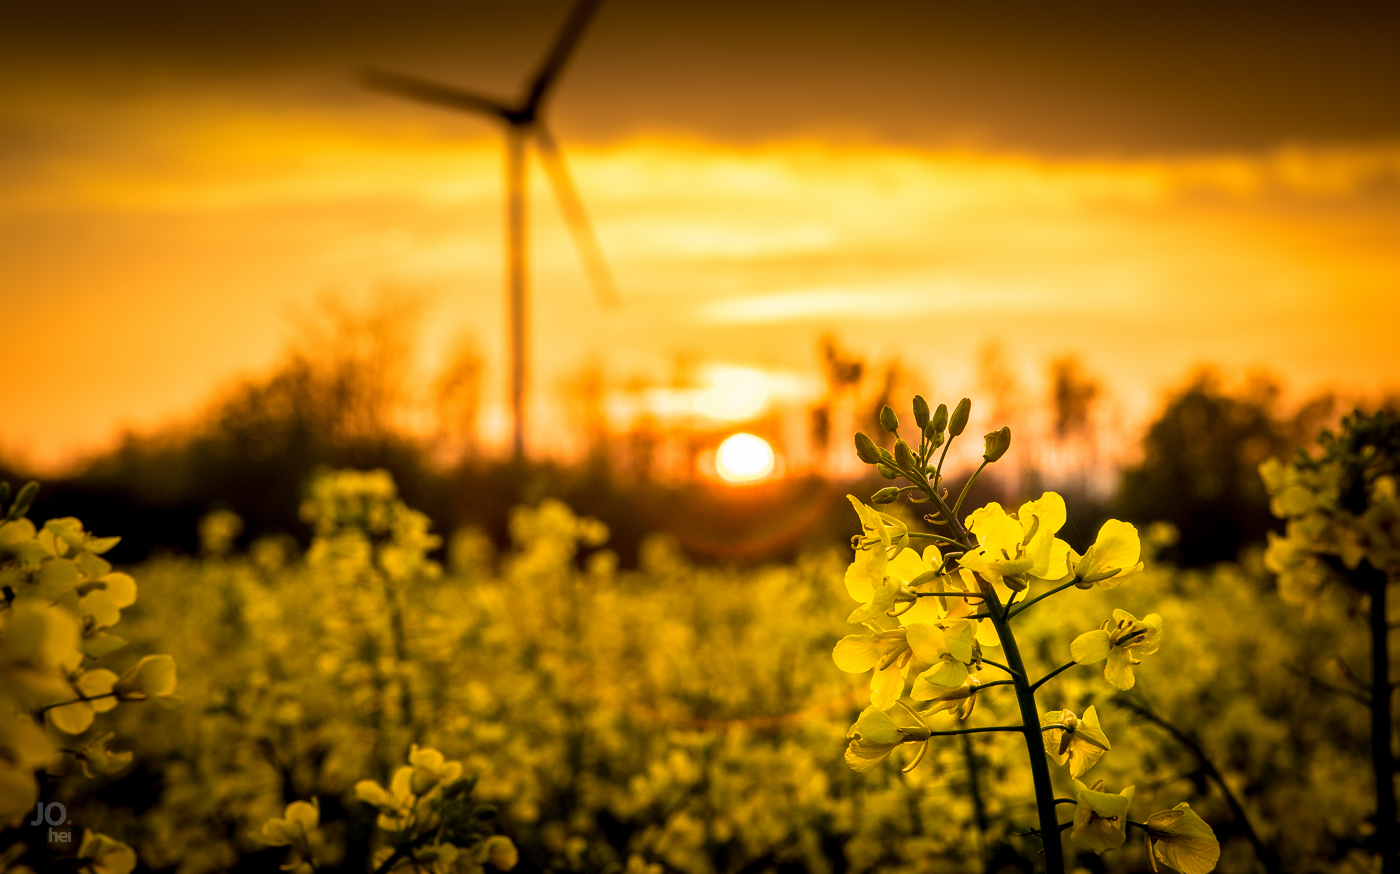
(887, 652)
(867, 580)
(946, 650)
(1182, 840)
(874, 737)
(1101, 819)
(958, 700)
(1081, 742)
(1013, 550)
(1112, 559)
(1121, 640)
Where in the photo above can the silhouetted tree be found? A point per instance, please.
(1072, 396)
(1200, 468)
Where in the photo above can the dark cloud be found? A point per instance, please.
(1085, 77)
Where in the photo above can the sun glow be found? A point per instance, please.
(739, 258)
(744, 458)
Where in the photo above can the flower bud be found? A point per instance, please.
(920, 412)
(23, 501)
(958, 421)
(934, 437)
(866, 450)
(996, 444)
(886, 471)
(886, 495)
(904, 456)
(940, 418)
(888, 420)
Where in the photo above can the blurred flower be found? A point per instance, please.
(498, 850)
(298, 821)
(106, 855)
(152, 677)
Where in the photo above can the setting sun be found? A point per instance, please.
(744, 458)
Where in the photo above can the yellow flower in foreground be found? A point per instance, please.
(1112, 559)
(1081, 742)
(959, 700)
(1012, 550)
(919, 573)
(1121, 640)
(946, 651)
(887, 652)
(866, 577)
(874, 737)
(1101, 819)
(1182, 840)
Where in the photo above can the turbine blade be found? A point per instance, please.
(564, 44)
(589, 250)
(430, 92)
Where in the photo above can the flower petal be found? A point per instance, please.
(856, 653)
(1090, 647)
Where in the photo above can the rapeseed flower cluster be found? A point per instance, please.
(936, 620)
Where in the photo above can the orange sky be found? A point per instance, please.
(153, 248)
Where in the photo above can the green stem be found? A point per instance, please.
(1035, 747)
(967, 485)
(979, 806)
(1050, 676)
(1012, 671)
(981, 686)
(1267, 857)
(938, 471)
(1025, 604)
(950, 519)
(1025, 700)
(389, 863)
(46, 708)
(1373, 581)
(939, 537)
(978, 595)
(987, 728)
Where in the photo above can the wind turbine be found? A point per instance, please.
(523, 121)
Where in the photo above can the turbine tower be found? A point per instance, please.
(523, 121)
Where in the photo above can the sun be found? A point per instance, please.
(744, 458)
